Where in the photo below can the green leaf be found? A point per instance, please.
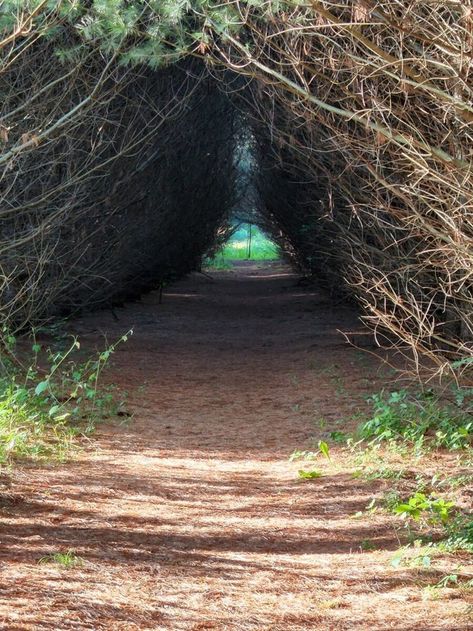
(63, 416)
(324, 449)
(308, 475)
(41, 387)
(403, 508)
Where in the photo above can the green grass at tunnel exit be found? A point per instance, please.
(239, 248)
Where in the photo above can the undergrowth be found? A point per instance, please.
(411, 426)
(395, 448)
(421, 420)
(57, 397)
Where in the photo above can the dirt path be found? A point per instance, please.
(191, 516)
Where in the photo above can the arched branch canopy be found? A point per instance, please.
(121, 123)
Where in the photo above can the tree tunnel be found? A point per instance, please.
(140, 190)
(118, 176)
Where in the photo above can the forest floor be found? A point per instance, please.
(190, 515)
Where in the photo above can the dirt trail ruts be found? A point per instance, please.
(191, 516)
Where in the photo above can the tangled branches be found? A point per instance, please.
(105, 176)
(367, 109)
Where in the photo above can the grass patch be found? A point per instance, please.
(66, 560)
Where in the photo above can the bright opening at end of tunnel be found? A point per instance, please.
(247, 243)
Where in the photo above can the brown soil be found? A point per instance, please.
(190, 516)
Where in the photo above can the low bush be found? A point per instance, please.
(42, 409)
(421, 420)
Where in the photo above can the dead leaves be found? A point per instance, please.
(27, 138)
(30, 139)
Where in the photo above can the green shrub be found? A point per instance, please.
(421, 420)
(419, 505)
(41, 411)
